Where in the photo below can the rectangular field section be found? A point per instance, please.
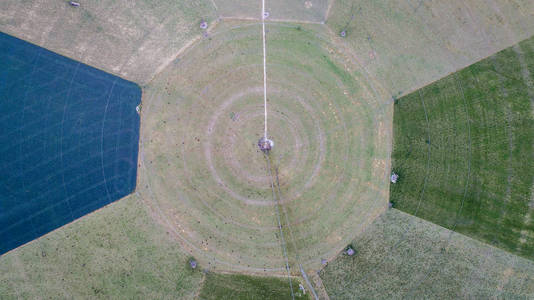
(69, 138)
(464, 150)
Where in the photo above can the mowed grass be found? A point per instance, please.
(116, 252)
(403, 257)
(235, 287)
(463, 147)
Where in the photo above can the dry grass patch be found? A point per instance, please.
(408, 44)
(131, 39)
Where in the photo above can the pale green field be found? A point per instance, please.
(202, 118)
(408, 44)
(402, 256)
(133, 39)
(115, 252)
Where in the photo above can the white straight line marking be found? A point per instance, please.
(264, 67)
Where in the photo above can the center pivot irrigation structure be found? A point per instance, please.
(265, 145)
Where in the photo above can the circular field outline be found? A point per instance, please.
(319, 120)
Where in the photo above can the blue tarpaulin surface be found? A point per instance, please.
(69, 137)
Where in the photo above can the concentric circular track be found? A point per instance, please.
(207, 179)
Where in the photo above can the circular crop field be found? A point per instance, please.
(205, 177)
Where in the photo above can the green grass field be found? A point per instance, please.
(463, 147)
(403, 257)
(227, 286)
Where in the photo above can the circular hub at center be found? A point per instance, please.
(265, 144)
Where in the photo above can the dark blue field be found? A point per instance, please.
(69, 137)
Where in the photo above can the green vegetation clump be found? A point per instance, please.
(227, 286)
(463, 147)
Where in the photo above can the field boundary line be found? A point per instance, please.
(200, 286)
(320, 286)
(297, 256)
(214, 5)
(277, 205)
(327, 13)
(184, 48)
